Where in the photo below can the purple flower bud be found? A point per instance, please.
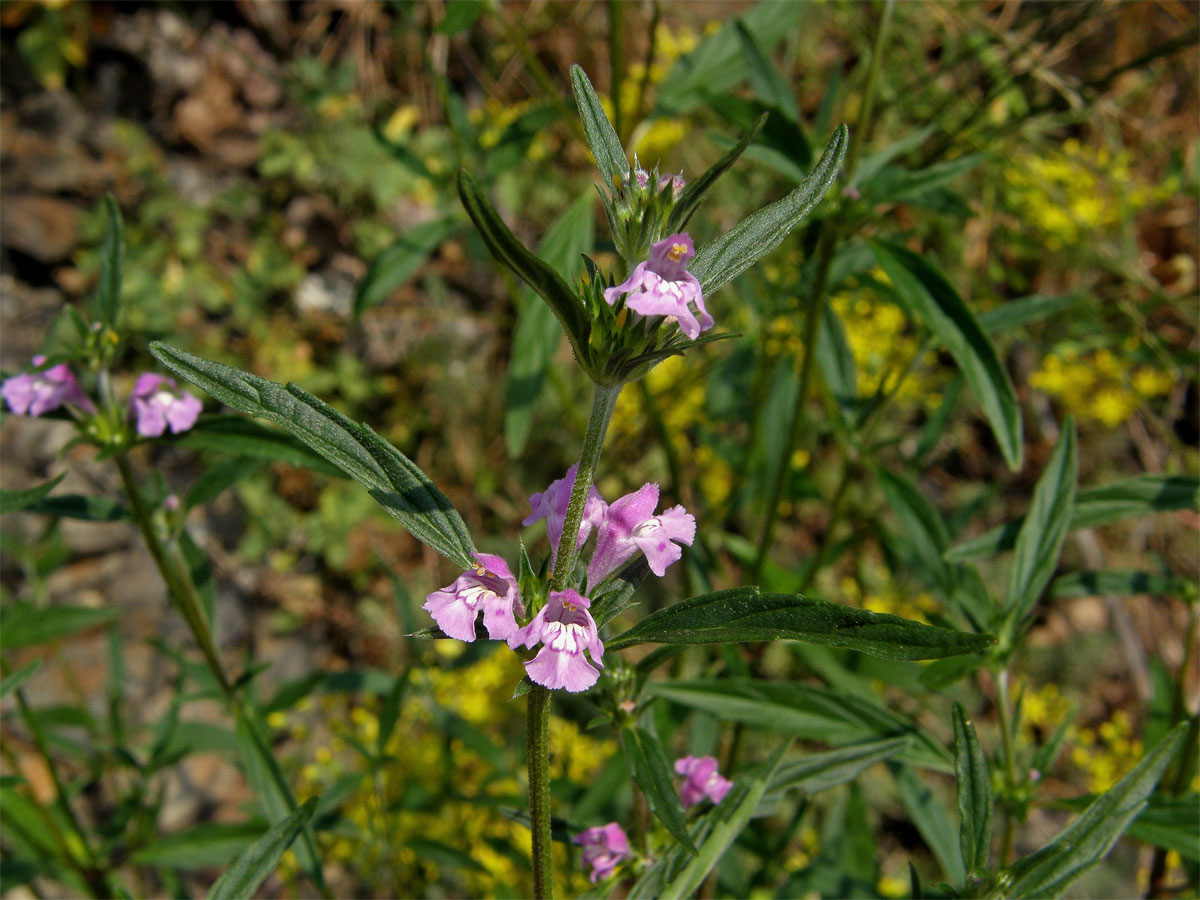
(489, 586)
(566, 629)
(700, 780)
(34, 393)
(157, 403)
(604, 849)
(551, 505)
(675, 181)
(632, 526)
(662, 286)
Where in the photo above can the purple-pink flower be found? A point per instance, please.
(604, 848)
(700, 780)
(34, 393)
(632, 526)
(490, 587)
(566, 629)
(157, 403)
(676, 182)
(662, 286)
(551, 505)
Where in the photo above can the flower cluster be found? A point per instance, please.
(563, 625)
(607, 846)
(662, 286)
(156, 403)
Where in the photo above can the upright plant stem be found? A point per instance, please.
(1004, 713)
(537, 724)
(816, 297)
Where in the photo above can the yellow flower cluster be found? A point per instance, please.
(389, 829)
(1107, 752)
(1096, 385)
(1077, 191)
(684, 384)
(1043, 708)
(655, 137)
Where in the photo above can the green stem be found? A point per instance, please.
(603, 401)
(537, 750)
(862, 129)
(1004, 713)
(812, 321)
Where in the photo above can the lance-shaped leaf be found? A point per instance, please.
(650, 768)
(1128, 499)
(696, 190)
(260, 859)
(15, 501)
(1046, 524)
(389, 476)
(724, 258)
(974, 793)
(816, 772)
(1051, 870)
(930, 297)
(600, 134)
(19, 677)
(108, 293)
(395, 265)
(1118, 584)
(504, 245)
(238, 436)
(745, 614)
(614, 593)
(931, 818)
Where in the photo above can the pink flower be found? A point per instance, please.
(489, 586)
(551, 505)
(632, 526)
(676, 182)
(34, 393)
(157, 403)
(566, 629)
(604, 848)
(700, 780)
(662, 286)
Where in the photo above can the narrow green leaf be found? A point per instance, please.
(238, 436)
(78, 506)
(816, 772)
(1016, 313)
(1129, 499)
(1117, 584)
(15, 501)
(974, 794)
(24, 625)
(768, 84)
(836, 361)
(1045, 528)
(932, 821)
(920, 523)
(260, 858)
(805, 711)
(649, 767)
(504, 245)
(727, 822)
(601, 136)
(1087, 840)
(928, 295)
(537, 333)
(108, 293)
(724, 258)
(395, 265)
(389, 476)
(276, 799)
(614, 593)
(744, 614)
(215, 480)
(460, 15)
(893, 184)
(19, 677)
(202, 846)
(1170, 822)
(697, 189)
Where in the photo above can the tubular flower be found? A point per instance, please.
(632, 526)
(34, 393)
(551, 505)
(566, 629)
(662, 286)
(604, 849)
(489, 586)
(700, 780)
(157, 403)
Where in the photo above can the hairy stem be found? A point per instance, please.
(538, 762)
